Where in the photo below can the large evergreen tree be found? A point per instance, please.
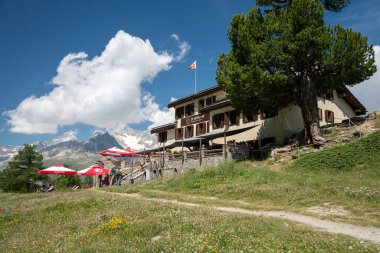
(331, 5)
(289, 56)
(21, 169)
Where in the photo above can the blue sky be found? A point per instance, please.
(64, 63)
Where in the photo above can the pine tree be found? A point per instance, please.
(21, 170)
(288, 57)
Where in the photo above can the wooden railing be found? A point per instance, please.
(213, 152)
(175, 157)
(192, 155)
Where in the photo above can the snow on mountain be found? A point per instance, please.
(97, 132)
(68, 136)
(135, 139)
(6, 153)
(67, 147)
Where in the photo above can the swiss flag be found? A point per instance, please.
(193, 65)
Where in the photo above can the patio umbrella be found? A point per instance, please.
(93, 171)
(115, 152)
(131, 152)
(57, 169)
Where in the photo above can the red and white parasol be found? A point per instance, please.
(93, 170)
(57, 169)
(131, 152)
(116, 152)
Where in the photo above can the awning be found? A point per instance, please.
(195, 140)
(216, 134)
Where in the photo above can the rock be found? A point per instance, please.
(360, 131)
(283, 150)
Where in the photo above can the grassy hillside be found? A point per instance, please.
(346, 177)
(91, 221)
(362, 153)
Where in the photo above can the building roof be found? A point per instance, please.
(201, 93)
(218, 104)
(160, 128)
(356, 105)
(196, 139)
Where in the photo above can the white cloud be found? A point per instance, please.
(183, 46)
(104, 91)
(368, 91)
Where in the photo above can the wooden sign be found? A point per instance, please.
(195, 119)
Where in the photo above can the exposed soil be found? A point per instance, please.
(327, 209)
(362, 233)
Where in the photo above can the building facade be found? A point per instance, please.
(208, 119)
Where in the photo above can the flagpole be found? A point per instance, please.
(195, 80)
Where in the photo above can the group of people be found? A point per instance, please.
(45, 188)
(32, 187)
(156, 169)
(116, 174)
(114, 178)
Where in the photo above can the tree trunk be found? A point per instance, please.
(309, 108)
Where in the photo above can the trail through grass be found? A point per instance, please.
(319, 179)
(88, 221)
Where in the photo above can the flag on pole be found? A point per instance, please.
(193, 65)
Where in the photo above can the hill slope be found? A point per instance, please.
(359, 153)
(343, 189)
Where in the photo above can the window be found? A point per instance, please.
(232, 118)
(189, 131)
(178, 133)
(210, 100)
(201, 128)
(218, 121)
(250, 117)
(329, 116)
(162, 136)
(319, 114)
(179, 112)
(201, 104)
(189, 109)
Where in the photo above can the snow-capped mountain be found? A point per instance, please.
(68, 149)
(129, 137)
(6, 153)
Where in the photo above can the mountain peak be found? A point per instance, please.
(135, 139)
(97, 133)
(67, 136)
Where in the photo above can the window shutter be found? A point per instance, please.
(319, 113)
(226, 121)
(237, 118)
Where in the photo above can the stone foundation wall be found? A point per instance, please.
(173, 167)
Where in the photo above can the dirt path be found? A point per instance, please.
(359, 232)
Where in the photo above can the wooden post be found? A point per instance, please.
(225, 146)
(183, 155)
(163, 156)
(200, 153)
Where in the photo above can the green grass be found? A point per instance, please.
(90, 221)
(347, 176)
(361, 153)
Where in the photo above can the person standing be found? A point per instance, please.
(155, 168)
(100, 180)
(119, 176)
(112, 175)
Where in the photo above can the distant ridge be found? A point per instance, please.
(68, 149)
